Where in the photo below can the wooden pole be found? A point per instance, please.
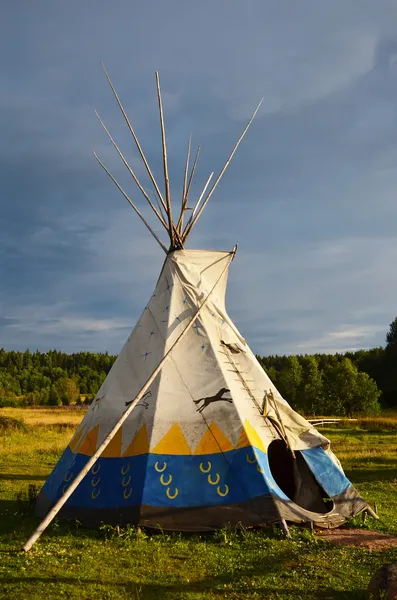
(221, 172)
(186, 196)
(372, 512)
(165, 163)
(198, 203)
(269, 395)
(180, 220)
(143, 157)
(58, 505)
(156, 212)
(131, 203)
(284, 527)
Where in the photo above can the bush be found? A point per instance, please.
(9, 403)
(8, 423)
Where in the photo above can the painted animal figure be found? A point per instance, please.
(144, 398)
(209, 399)
(97, 401)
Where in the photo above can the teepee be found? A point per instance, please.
(187, 432)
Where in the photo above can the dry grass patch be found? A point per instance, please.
(46, 416)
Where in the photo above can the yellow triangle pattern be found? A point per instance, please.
(139, 444)
(76, 439)
(249, 437)
(113, 449)
(213, 441)
(174, 442)
(88, 445)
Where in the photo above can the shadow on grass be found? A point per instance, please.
(330, 594)
(364, 475)
(220, 586)
(17, 522)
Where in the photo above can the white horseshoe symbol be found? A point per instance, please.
(162, 480)
(95, 493)
(259, 468)
(124, 470)
(125, 481)
(127, 493)
(225, 493)
(156, 466)
(172, 496)
(65, 487)
(95, 483)
(95, 469)
(217, 479)
(251, 462)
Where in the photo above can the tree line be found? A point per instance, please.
(51, 378)
(362, 382)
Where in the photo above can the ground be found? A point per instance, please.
(74, 563)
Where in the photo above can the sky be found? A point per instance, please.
(310, 195)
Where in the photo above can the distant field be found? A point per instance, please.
(69, 562)
(46, 416)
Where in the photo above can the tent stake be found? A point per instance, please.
(63, 499)
(284, 527)
(372, 512)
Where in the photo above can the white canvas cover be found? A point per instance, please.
(201, 433)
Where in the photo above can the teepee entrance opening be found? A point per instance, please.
(296, 480)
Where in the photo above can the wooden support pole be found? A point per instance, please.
(191, 176)
(197, 204)
(143, 157)
(372, 512)
(131, 172)
(180, 220)
(131, 203)
(269, 395)
(222, 172)
(165, 163)
(186, 196)
(284, 527)
(58, 505)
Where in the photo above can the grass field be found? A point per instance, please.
(70, 562)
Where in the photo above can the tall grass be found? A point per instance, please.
(112, 564)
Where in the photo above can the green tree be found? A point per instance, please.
(53, 397)
(290, 380)
(391, 336)
(68, 390)
(390, 363)
(348, 392)
(311, 388)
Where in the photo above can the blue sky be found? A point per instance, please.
(310, 195)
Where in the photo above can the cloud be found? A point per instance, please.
(310, 195)
(320, 297)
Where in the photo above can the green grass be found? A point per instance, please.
(74, 563)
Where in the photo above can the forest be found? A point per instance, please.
(354, 383)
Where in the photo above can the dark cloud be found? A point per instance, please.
(310, 195)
